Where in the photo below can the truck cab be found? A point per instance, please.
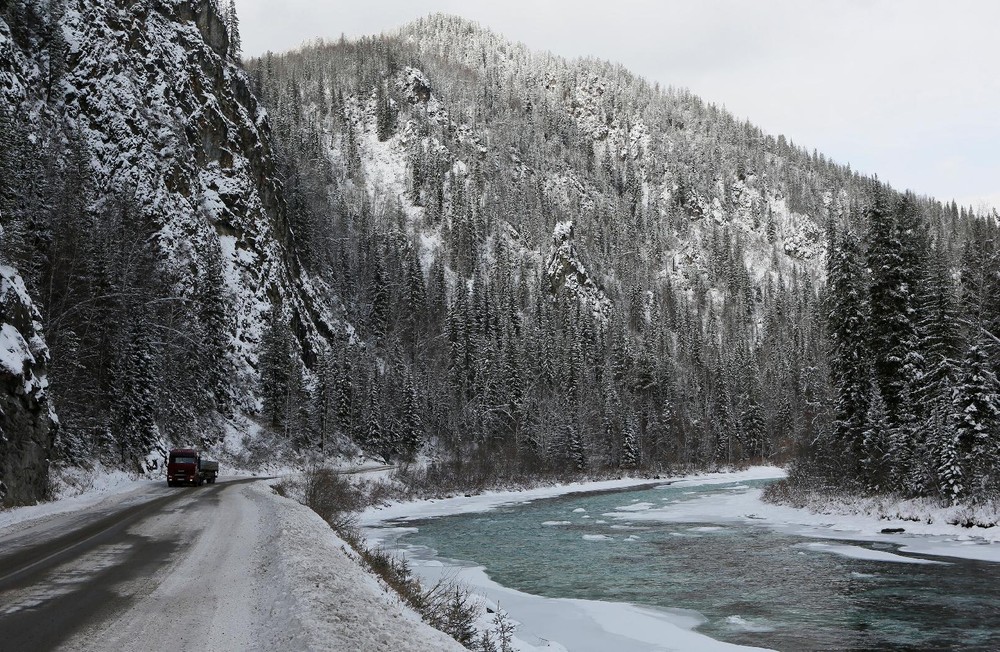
(184, 467)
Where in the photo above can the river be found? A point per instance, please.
(555, 563)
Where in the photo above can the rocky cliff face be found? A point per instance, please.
(147, 95)
(27, 421)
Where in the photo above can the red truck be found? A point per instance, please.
(185, 466)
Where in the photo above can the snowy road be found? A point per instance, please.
(162, 570)
(225, 567)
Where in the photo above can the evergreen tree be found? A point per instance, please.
(631, 455)
(213, 309)
(876, 435)
(576, 452)
(375, 437)
(232, 22)
(977, 414)
(275, 355)
(893, 257)
(133, 396)
(378, 319)
(411, 435)
(345, 397)
(939, 332)
(848, 320)
(385, 113)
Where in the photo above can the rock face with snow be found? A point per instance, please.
(565, 270)
(27, 422)
(150, 88)
(149, 98)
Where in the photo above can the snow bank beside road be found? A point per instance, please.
(336, 603)
(106, 489)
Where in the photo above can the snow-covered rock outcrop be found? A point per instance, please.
(27, 422)
(566, 271)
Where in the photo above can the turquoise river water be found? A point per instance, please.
(754, 585)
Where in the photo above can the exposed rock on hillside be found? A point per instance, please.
(27, 422)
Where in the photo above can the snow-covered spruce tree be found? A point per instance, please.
(878, 428)
(754, 429)
(344, 391)
(980, 280)
(232, 22)
(378, 320)
(134, 375)
(380, 436)
(631, 454)
(411, 434)
(576, 453)
(948, 460)
(894, 256)
(850, 357)
(976, 406)
(385, 114)
(275, 367)
(939, 330)
(324, 407)
(213, 307)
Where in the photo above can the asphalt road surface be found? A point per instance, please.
(179, 569)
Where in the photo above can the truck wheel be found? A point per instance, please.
(170, 483)
(212, 481)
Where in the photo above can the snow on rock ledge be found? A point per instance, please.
(27, 422)
(565, 270)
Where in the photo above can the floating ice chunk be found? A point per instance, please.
(741, 624)
(857, 552)
(637, 507)
(596, 537)
(557, 523)
(579, 510)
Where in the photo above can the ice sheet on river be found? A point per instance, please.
(732, 504)
(857, 552)
(556, 624)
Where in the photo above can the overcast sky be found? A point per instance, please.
(906, 89)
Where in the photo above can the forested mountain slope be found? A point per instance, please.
(555, 264)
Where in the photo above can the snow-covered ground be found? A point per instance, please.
(334, 603)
